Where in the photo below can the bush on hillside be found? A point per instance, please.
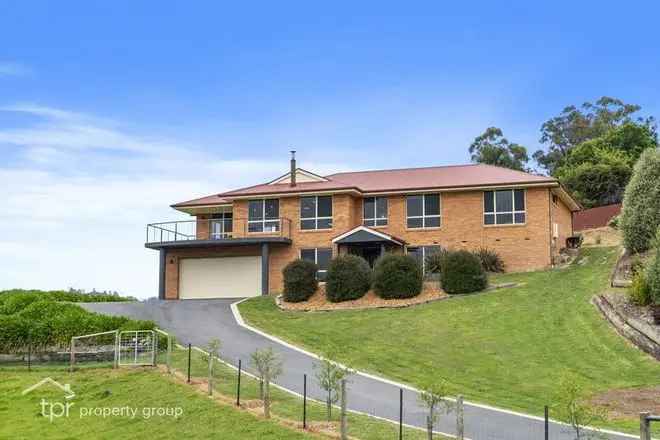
(639, 292)
(463, 273)
(300, 281)
(349, 277)
(398, 276)
(652, 273)
(640, 216)
(490, 260)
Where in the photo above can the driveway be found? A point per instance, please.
(199, 321)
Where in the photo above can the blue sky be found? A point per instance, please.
(110, 112)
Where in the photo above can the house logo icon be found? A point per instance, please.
(66, 388)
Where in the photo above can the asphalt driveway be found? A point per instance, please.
(199, 321)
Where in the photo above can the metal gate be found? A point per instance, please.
(137, 347)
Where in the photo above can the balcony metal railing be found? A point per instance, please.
(216, 229)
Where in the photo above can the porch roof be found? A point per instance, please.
(364, 234)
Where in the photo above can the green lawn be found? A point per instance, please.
(202, 418)
(507, 347)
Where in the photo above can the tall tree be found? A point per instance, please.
(575, 125)
(492, 148)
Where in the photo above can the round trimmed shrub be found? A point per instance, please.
(348, 277)
(462, 272)
(652, 274)
(398, 276)
(640, 216)
(300, 281)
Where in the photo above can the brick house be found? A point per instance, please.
(238, 242)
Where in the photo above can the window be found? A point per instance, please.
(420, 254)
(263, 215)
(319, 256)
(221, 225)
(423, 211)
(374, 211)
(504, 207)
(316, 212)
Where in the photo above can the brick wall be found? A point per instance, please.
(563, 217)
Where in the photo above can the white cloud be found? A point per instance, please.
(14, 69)
(77, 201)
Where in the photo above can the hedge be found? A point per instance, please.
(398, 276)
(462, 272)
(640, 216)
(348, 277)
(300, 281)
(652, 274)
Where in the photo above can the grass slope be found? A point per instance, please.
(508, 347)
(202, 418)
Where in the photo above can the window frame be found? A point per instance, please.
(316, 259)
(424, 247)
(222, 219)
(316, 217)
(264, 220)
(424, 216)
(495, 212)
(375, 217)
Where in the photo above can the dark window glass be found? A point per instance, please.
(325, 206)
(324, 223)
(504, 219)
(272, 226)
(308, 224)
(381, 207)
(520, 217)
(255, 209)
(228, 224)
(323, 257)
(308, 207)
(489, 219)
(415, 222)
(321, 276)
(519, 195)
(272, 208)
(415, 205)
(432, 204)
(416, 253)
(255, 227)
(432, 222)
(504, 201)
(381, 222)
(489, 205)
(368, 207)
(308, 255)
(370, 222)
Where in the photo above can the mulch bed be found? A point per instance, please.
(628, 403)
(318, 302)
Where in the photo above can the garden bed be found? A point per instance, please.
(318, 301)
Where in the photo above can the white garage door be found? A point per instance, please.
(227, 277)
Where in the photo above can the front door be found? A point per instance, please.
(369, 252)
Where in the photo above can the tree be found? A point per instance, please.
(329, 376)
(492, 148)
(434, 398)
(572, 410)
(268, 366)
(213, 349)
(576, 125)
(640, 216)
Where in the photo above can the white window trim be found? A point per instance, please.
(263, 220)
(316, 258)
(221, 221)
(374, 218)
(316, 217)
(424, 216)
(496, 212)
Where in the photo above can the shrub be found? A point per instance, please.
(639, 292)
(348, 277)
(640, 215)
(614, 222)
(463, 273)
(299, 280)
(652, 274)
(490, 260)
(397, 276)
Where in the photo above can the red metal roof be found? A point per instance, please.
(405, 179)
(595, 217)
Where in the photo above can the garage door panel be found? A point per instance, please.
(226, 277)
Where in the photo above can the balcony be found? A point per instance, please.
(218, 232)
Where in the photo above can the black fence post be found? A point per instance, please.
(189, 355)
(304, 401)
(400, 413)
(238, 385)
(546, 424)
